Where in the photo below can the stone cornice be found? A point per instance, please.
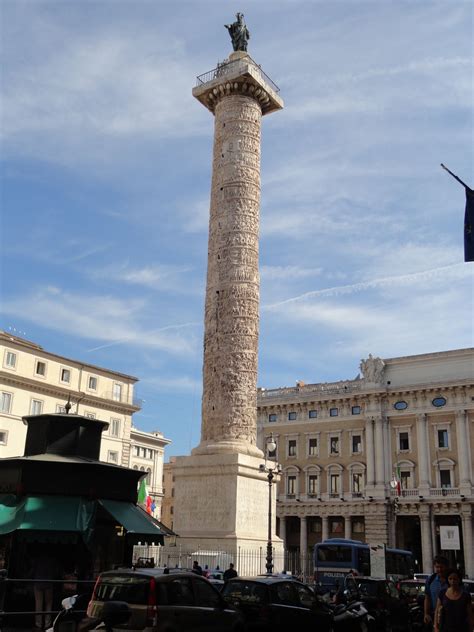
(60, 392)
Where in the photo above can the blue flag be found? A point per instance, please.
(469, 226)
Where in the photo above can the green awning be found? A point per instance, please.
(45, 513)
(132, 518)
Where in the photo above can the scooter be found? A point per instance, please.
(352, 616)
(73, 618)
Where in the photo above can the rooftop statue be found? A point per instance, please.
(239, 33)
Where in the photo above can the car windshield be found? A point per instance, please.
(246, 592)
(130, 588)
(412, 589)
(368, 588)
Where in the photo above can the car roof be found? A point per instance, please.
(366, 578)
(263, 580)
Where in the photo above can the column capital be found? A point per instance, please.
(460, 414)
(421, 417)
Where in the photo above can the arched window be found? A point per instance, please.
(357, 479)
(334, 480)
(291, 477)
(148, 476)
(313, 481)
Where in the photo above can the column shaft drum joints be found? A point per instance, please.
(231, 322)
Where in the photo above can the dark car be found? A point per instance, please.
(273, 604)
(413, 590)
(174, 602)
(384, 602)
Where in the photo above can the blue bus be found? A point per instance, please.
(335, 558)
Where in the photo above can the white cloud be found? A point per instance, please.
(279, 273)
(103, 318)
(179, 383)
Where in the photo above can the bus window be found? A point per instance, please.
(332, 553)
(363, 558)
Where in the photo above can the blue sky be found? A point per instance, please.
(106, 162)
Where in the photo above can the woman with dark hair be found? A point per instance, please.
(453, 608)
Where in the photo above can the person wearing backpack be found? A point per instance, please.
(436, 582)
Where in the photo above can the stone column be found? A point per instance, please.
(426, 542)
(282, 534)
(303, 545)
(423, 454)
(237, 97)
(325, 527)
(468, 541)
(464, 461)
(348, 527)
(379, 456)
(369, 434)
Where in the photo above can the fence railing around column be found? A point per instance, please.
(248, 562)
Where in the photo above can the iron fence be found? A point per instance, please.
(17, 601)
(248, 562)
(227, 68)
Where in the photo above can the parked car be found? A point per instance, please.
(469, 586)
(277, 604)
(384, 602)
(174, 602)
(421, 576)
(413, 590)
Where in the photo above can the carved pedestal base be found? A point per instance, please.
(221, 504)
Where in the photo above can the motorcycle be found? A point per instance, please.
(352, 617)
(73, 618)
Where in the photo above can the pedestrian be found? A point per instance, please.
(436, 582)
(196, 568)
(454, 608)
(44, 567)
(230, 572)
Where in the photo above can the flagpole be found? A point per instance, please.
(455, 177)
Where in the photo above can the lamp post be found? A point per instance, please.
(271, 472)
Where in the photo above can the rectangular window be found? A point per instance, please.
(358, 526)
(291, 416)
(136, 449)
(272, 417)
(405, 480)
(357, 482)
(36, 407)
(60, 408)
(40, 368)
(292, 447)
(115, 427)
(92, 383)
(117, 392)
(404, 441)
(334, 480)
(334, 445)
(356, 444)
(333, 412)
(313, 447)
(355, 410)
(112, 457)
(10, 359)
(6, 402)
(312, 414)
(443, 440)
(313, 484)
(3, 437)
(445, 478)
(65, 375)
(150, 453)
(291, 485)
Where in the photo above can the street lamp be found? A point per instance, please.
(271, 472)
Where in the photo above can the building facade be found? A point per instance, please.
(35, 381)
(386, 457)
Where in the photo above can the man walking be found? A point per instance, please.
(230, 572)
(436, 582)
